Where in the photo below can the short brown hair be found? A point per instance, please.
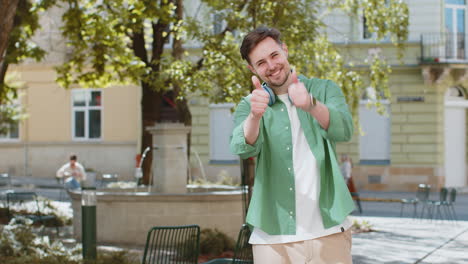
(256, 36)
(73, 157)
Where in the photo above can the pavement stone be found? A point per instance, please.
(395, 240)
(405, 240)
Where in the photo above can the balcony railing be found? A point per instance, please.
(444, 48)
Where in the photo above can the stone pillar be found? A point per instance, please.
(170, 165)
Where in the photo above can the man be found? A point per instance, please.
(346, 167)
(300, 203)
(72, 172)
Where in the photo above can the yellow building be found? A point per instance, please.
(422, 139)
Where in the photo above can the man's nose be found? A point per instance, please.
(270, 65)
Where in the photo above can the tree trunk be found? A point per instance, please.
(7, 18)
(151, 113)
(7, 15)
(183, 111)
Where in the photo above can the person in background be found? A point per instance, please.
(72, 173)
(346, 167)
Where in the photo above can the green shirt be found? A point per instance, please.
(272, 200)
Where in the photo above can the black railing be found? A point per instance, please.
(443, 47)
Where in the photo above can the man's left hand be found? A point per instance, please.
(299, 95)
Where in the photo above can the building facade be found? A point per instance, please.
(421, 139)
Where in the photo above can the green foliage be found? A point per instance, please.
(20, 47)
(109, 42)
(224, 77)
(19, 244)
(361, 227)
(121, 257)
(105, 38)
(215, 242)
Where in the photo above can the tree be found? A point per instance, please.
(221, 75)
(121, 41)
(19, 20)
(118, 41)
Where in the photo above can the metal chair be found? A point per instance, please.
(20, 198)
(61, 183)
(172, 245)
(355, 197)
(449, 204)
(5, 179)
(422, 195)
(242, 252)
(438, 204)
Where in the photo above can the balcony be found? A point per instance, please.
(447, 48)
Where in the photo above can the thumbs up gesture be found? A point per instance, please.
(298, 94)
(259, 100)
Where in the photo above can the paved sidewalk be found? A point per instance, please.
(404, 240)
(395, 240)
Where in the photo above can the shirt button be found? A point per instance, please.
(289, 169)
(291, 213)
(290, 189)
(282, 109)
(287, 148)
(290, 216)
(286, 128)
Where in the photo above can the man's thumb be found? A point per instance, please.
(294, 77)
(256, 82)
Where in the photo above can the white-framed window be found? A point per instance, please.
(11, 133)
(221, 125)
(375, 144)
(86, 114)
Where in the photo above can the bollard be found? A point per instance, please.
(88, 222)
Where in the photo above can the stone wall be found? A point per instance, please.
(125, 218)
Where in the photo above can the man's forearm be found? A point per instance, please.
(251, 129)
(321, 114)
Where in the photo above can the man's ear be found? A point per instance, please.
(285, 48)
(251, 68)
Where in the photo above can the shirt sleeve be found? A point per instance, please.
(341, 126)
(82, 172)
(238, 145)
(60, 172)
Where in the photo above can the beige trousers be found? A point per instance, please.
(332, 249)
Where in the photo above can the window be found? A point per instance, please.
(221, 125)
(365, 32)
(218, 23)
(12, 133)
(374, 145)
(455, 29)
(86, 114)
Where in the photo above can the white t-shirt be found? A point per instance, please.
(309, 223)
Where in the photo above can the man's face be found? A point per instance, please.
(269, 60)
(72, 163)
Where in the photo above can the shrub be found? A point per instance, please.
(362, 227)
(20, 245)
(215, 242)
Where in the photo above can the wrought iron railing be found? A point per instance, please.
(443, 47)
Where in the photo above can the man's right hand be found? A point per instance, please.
(259, 100)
